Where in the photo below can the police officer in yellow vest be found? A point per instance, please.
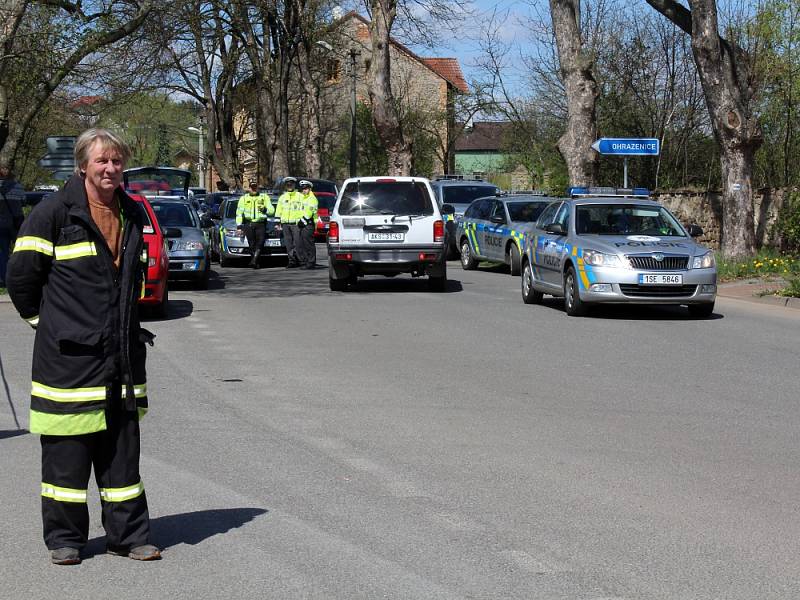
(252, 211)
(307, 223)
(288, 211)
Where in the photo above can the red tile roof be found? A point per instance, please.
(446, 68)
(449, 69)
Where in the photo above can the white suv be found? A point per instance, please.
(386, 226)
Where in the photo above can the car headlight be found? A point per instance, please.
(231, 233)
(601, 259)
(706, 261)
(191, 245)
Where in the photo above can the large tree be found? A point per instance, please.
(728, 85)
(576, 67)
(385, 113)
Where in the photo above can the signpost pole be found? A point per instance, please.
(625, 172)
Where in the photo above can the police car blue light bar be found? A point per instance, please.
(607, 192)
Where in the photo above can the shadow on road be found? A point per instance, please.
(178, 309)
(188, 528)
(632, 312)
(10, 433)
(376, 285)
(7, 391)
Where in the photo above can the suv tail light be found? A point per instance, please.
(438, 231)
(333, 232)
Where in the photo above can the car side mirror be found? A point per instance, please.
(448, 209)
(497, 219)
(173, 232)
(555, 228)
(695, 230)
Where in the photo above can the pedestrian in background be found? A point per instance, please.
(252, 211)
(288, 211)
(12, 197)
(76, 275)
(307, 223)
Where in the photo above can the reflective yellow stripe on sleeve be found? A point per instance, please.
(35, 244)
(122, 494)
(87, 394)
(75, 251)
(63, 494)
(33, 321)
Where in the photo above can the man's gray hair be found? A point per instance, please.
(108, 140)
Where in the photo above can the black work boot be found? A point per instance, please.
(65, 556)
(255, 262)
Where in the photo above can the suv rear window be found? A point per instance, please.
(386, 198)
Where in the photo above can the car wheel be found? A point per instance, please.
(202, 283)
(224, 261)
(701, 311)
(161, 309)
(513, 259)
(468, 263)
(573, 305)
(337, 285)
(529, 294)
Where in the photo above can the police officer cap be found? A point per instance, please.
(289, 180)
(305, 183)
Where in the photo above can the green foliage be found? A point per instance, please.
(787, 225)
(767, 263)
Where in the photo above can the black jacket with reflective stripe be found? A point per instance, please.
(88, 334)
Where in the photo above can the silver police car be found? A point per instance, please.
(491, 229)
(616, 246)
(233, 246)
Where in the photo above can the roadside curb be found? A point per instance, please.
(749, 290)
(5, 299)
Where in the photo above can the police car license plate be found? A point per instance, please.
(385, 237)
(660, 279)
(273, 242)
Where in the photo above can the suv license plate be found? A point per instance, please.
(661, 279)
(273, 242)
(386, 237)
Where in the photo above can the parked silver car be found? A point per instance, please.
(491, 229)
(602, 246)
(188, 245)
(234, 247)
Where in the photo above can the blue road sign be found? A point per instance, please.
(628, 146)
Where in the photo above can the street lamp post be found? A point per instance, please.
(354, 53)
(201, 165)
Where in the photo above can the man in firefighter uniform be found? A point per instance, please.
(252, 211)
(288, 211)
(307, 223)
(76, 275)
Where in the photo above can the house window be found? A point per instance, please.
(479, 174)
(333, 70)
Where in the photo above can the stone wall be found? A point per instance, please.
(705, 209)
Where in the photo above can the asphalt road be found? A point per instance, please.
(393, 443)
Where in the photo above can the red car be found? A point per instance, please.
(156, 292)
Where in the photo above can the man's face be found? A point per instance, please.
(253, 190)
(305, 190)
(290, 186)
(104, 168)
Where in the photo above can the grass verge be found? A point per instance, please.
(768, 265)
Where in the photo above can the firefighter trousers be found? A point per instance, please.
(66, 465)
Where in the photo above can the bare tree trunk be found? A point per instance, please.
(725, 73)
(581, 90)
(313, 135)
(11, 13)
(384, 109)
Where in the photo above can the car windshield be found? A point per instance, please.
(626, 219)
(230, 209)
(464, 194)
(525, 211)
(173, 214)
(386, 198)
